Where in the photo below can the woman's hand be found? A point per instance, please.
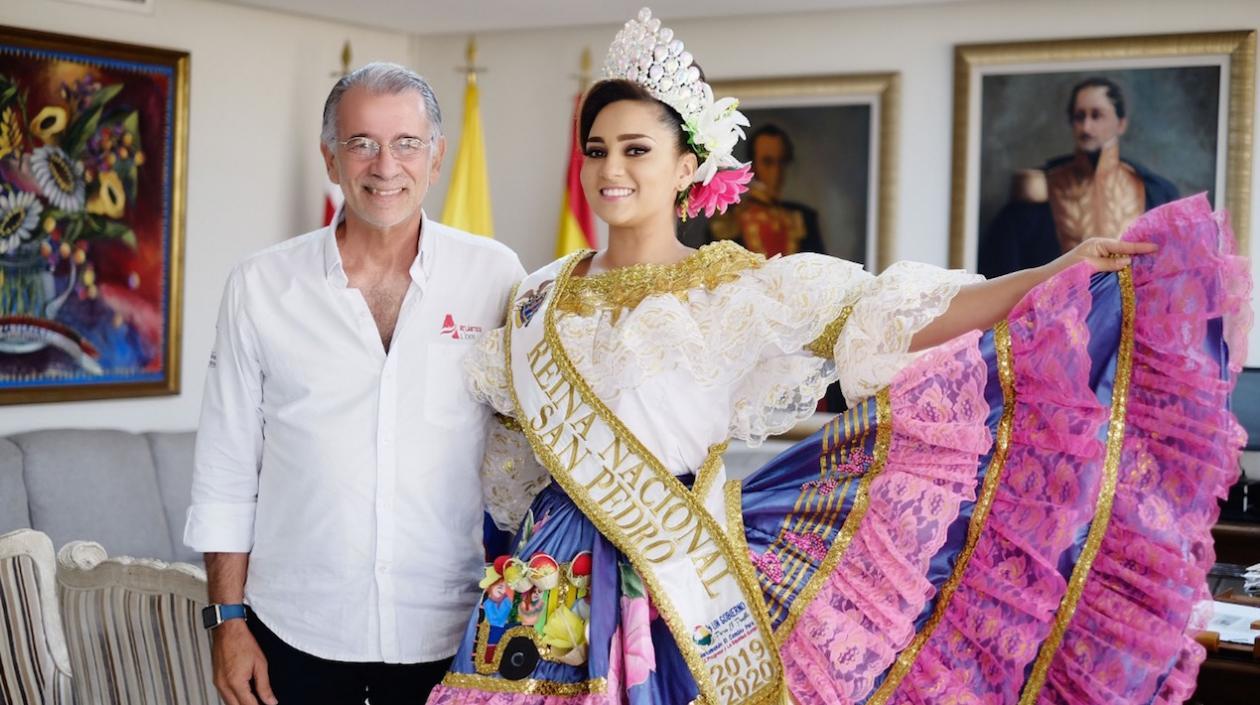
(981, 305)
(1106, 254)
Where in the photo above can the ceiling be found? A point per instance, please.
(466, 16)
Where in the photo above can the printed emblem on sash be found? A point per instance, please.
(527, 304)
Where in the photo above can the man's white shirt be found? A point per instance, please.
(350, 475)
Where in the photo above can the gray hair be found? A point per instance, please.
(380, 78)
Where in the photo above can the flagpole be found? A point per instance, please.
(470, 68)
(467, 204)
(584, 74)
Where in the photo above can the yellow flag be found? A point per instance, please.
(571, 237)
(468, 199)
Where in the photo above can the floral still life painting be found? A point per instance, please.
(92, 170)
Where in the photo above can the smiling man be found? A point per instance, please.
(1091, 192)
(336, 490)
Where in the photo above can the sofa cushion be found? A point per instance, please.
(34, 667)
(13, 513)
(173, 457)
(96, 485)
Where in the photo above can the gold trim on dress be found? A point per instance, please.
(626, 287)
(883, 440)
(708, 470)
(483, 636)
(508, 422)
(824, 345)
(529, 686)
(979, 517)
(1107, 493)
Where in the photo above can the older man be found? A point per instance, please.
(336, 487)
(1091, 192)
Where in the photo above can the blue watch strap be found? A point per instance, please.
(214, 615)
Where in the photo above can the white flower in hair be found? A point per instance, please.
(715, 132)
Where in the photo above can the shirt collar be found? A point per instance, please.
(421, 267)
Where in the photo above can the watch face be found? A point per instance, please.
(209, 618)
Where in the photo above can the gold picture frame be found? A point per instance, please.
(880, 93)
(1231, 53)
(94, 147)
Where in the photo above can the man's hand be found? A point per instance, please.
(238, 662)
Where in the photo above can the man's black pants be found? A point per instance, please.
(297, 678)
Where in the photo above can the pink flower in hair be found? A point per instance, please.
(722, 190)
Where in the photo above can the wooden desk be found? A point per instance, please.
(1237, 543)
(1231, 678)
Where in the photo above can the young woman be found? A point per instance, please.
(1010, 516)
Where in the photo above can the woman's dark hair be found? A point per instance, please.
(605, 93)
(610, 91)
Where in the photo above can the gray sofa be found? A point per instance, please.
(126, 491)
(130, 491)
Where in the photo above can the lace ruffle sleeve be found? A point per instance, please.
(511, 475)
(873, 344)
(486, 373)
(825, 319)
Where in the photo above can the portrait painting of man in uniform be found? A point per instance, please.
(1059, 141)
(817, 147)
(1129, 141)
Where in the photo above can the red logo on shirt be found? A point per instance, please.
(456, 331)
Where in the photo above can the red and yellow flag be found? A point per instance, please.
(577, 224)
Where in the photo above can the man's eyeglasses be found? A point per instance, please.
(366, 148)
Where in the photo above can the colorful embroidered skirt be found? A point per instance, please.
(1020, 517)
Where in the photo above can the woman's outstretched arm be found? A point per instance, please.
(981, 305)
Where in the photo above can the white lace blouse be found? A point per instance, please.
(724, 344)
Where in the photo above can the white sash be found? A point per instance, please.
(698, 580)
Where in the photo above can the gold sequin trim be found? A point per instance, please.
(825, 345)
(483, 636)
(708, 470)
(527, 686)
(769, 693)
(508, 422)
(979, 517)
(883, 440)
(1107, 493)
(626, 287)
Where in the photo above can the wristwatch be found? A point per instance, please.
(214, 615)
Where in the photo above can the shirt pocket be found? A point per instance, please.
(447, 401)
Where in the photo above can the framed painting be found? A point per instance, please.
(823, 151)
(1059, 140)
(93, 158)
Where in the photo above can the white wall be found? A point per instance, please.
(526, 94)
(258, 84)
(259, 79)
